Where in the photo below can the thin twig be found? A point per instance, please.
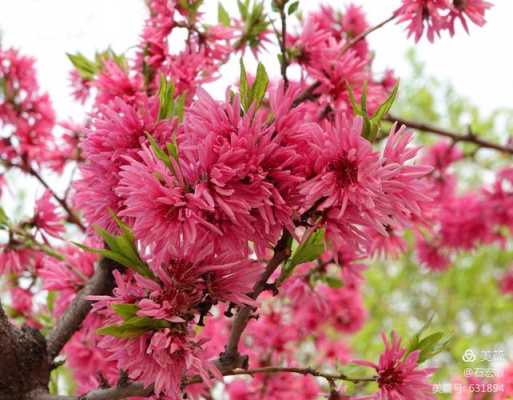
(31, 171)
(309, 92)
(231, 356)
(72, 216)
(137, 389)
(364, 34)
(454, 136)
(283, 46)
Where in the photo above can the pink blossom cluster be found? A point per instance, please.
(322, 50)
(210, 190)
(436, 16)
(462, 222)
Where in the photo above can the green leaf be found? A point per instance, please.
(384, 108)
(243, 9)
(244, 90)
(356, 107)
(4, 220)
(109, 239)
(166, 97)
(260, 85)
(120, 248)
(293, 7)
(125, 311)
(172, 149)
(332, 282)
(363, 99)
(222, 15)
(133, 327)
(179, 107)
(159, 153)
(309, 250)
(86, 68)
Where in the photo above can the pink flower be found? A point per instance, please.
(16, 260)
(499, 199)
(442, 154)
(81, 87)
(161, 355)
(432, 255)
(474, 10)
(423, 14)
(346, 310)
(243, 180)
(398, 374)
(506, 282)
(506, 379)
(26, 115)
(21, 300)
(113, 81)
(117, 132)
(155, 201)
(464, 222)
(46, 217)
(89, 363)
(346, 184)
(67, 277)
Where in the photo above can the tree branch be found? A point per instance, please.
(23, 360)
(309, 92)
(101, 283)
(364, 34)
(454, 136)
(137, 389)
(72, 216)
(283, 45)
(231, 357)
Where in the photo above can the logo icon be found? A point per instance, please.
(469, 356)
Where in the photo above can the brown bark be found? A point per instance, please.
(24, 364)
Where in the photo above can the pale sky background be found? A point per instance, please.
(479, 65)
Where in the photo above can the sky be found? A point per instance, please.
(480, 65)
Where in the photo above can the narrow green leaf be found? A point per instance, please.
(179, 107)
(260, 85)
(311, 249)
(172, 149)
(109, 239)
(166, 98)
(159, 153)
(125, 311)
(222, 15)
(293, 7)
(86, 68)
(4, 220)
(243, 9)
(364, 98)
(244, 90)
(332, 282)
(384, 108)
(356, 108)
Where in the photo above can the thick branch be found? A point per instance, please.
(456, 137)
(101, 283)
(23, 360)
